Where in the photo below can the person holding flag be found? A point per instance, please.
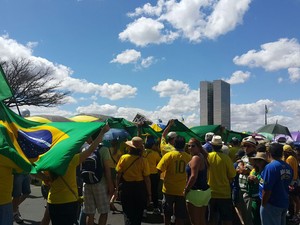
(34, 147)
(63, 193)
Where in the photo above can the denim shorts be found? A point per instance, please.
(6, 214)
(272, 215)
(21, 185)
(180, 206)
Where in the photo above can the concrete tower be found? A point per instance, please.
(215, 103)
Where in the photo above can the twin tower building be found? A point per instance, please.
(215, 103)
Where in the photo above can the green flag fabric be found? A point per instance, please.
(202, 130)
(183, 130)
(5, 91)
(43, 146)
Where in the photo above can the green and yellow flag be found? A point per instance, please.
(5, 91)
(43, 146)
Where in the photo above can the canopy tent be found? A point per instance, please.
(84, 118)
(295, 135)
(89, 117)
(47, 118)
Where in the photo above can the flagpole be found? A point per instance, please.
(266, 112)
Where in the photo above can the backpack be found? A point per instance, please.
(91, 170)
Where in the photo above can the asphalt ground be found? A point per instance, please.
(32, 210)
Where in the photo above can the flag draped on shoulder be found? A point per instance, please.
(5, 91)
(45, 146)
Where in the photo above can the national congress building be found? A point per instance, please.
(215, 103)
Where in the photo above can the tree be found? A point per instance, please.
(32, 85)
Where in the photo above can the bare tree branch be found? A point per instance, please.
(31, 85)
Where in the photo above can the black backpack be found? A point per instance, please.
(91, 169)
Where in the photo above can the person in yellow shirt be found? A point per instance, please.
(115, 154)
(221, 173)
(173, 164)
(290, 157)
(234, 147)
(63, 194)
(153, 158)
(133, 182)
(167, 139)
(6, 186)
(7, 167)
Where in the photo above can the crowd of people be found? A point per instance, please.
(241, 182)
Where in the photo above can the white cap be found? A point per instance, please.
(172, 134)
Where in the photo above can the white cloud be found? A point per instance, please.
(250, 117)
(238, 77)
(144, 31)
(169, 87)
(280, 80)
(10, 49)
(194, 20)
(282, 54)
(294, 74)
(148, 9)
(226, 15)
(183, 103)
(134, 57)
(117, 91)
(127, 56)
(147, 62)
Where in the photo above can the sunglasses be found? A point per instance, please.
(192, 146)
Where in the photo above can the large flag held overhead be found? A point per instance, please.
(47, 146)
(5, 91)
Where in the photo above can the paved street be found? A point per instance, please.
(32, 210)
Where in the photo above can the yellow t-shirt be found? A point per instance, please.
(165, 147)
(136, 170)
(173, 164)
(114, 158)
(59, 192)
(292, 161)
(6, 179)
(153, 158)
(220, 173)
(232, 152)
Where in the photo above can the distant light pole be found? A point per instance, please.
(266, 112)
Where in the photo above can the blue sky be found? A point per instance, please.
(120, 58)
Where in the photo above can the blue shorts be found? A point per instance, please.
(6, 214)
(21, 185)
(169, 201)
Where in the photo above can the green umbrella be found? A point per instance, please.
(274, 128)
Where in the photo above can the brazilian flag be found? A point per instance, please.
(5, 91)
(36, 147)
